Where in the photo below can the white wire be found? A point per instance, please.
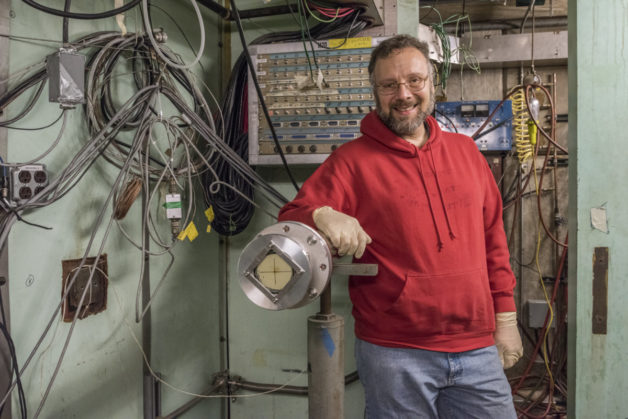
(20, 73)
(149, 32)
(178, 390)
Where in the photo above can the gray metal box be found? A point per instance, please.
(66, 77)
(537, 310)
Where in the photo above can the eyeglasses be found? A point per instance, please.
(414, 83)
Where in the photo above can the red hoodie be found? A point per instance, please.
(435, 217)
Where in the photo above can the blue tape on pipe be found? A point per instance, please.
(328, 341)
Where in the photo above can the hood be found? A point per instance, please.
(373, 127)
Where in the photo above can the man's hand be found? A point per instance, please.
(343, 231)
(507, 339)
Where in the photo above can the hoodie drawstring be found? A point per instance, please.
(442, 199)
(429, 202)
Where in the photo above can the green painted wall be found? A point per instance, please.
(101, 375)
(598, 55)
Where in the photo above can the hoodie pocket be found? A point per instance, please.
(444, 304)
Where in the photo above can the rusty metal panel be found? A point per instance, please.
(600, 290)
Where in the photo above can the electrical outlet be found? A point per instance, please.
(27, 181)
(95, 299)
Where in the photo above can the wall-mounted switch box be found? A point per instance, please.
(66, 75)
(537, 310)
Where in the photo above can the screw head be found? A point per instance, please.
(323, 266)
(312, 240)
(286, 228)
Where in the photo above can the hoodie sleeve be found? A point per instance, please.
(501, 278)
(325, 187)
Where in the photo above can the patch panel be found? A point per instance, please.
(313, 110)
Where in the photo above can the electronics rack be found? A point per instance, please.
(311, 118)
(313, 113)
(468, 116)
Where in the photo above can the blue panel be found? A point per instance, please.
(468, 116)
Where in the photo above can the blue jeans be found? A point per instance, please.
(414, 383)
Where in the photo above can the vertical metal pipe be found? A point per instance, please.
(325, 300)
(223, 301)
(148, 380)
(326, 364)
(224, 28)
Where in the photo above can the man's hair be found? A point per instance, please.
(396, 43)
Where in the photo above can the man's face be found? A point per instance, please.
(403, 109)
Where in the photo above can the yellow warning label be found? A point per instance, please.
(209, 213)
(190, 232)
(349, 43)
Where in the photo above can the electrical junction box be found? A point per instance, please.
(537, 310)
(27, 181)
(466, 117)
(66, 78)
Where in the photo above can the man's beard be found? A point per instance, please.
(406, 126)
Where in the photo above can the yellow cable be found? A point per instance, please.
(520, 126)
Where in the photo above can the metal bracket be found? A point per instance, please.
(600, 290)
(358, 269)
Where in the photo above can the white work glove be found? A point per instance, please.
(343, 231)
(507, 338)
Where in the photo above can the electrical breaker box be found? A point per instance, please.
(27, 181)
(66, 77)
(466, 117)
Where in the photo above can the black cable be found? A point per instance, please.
(491, 129)
(20, 218)
(85, 16)
(66, 22)
(35, 129)
(448, 119)
(18, 91)
(344, 41)
(259, 93)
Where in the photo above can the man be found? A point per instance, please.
(433, 325)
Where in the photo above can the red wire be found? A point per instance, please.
(543, 330)
(329, 12)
